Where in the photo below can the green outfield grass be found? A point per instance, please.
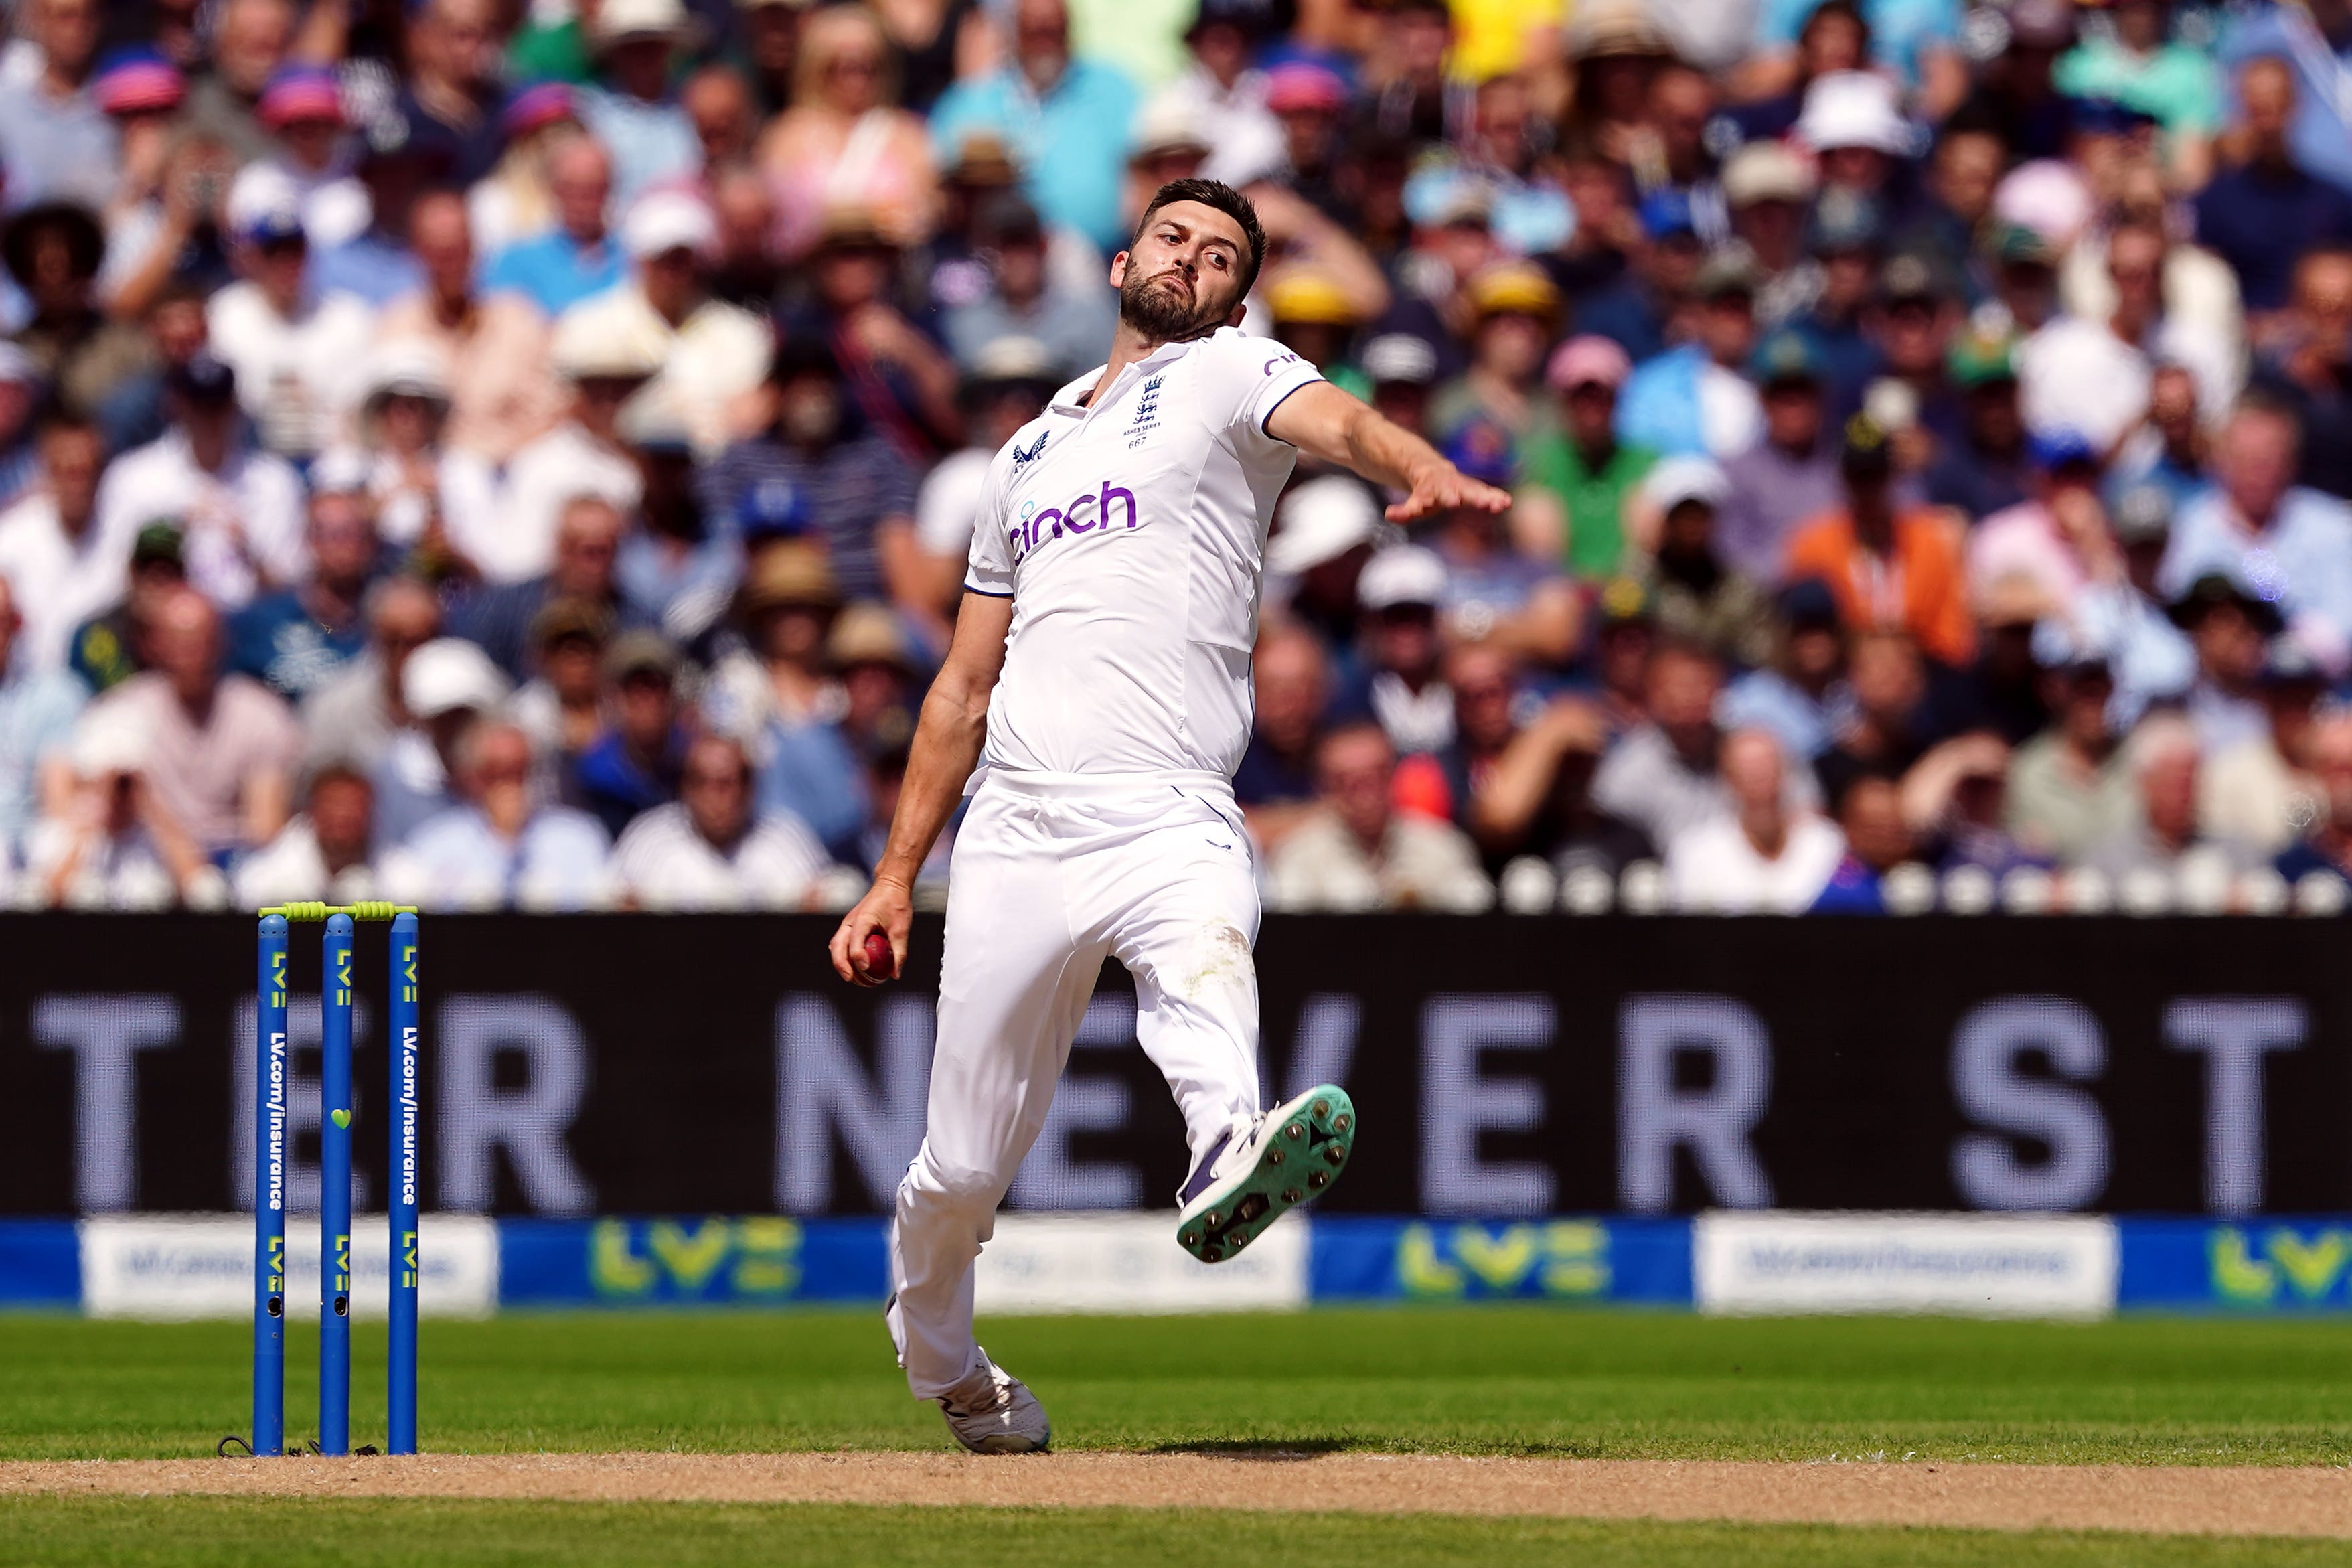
(1475, 1380)
(199, 1533)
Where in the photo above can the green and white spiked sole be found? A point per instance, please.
(1294, 1155)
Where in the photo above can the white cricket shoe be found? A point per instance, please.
(1246, 1182)
(992, 1412)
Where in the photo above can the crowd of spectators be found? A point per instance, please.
(492, 455)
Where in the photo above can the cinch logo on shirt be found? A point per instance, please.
(1088, 513)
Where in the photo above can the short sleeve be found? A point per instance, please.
(988, 569)
(1246, 379)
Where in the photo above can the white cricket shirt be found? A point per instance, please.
(1131, 536)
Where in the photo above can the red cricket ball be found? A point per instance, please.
(880, 963)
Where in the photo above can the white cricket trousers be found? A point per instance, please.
(1050, 874)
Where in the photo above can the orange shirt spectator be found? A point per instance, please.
(1889, 569)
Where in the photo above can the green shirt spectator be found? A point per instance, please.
(2176, 85)
(1584, 475)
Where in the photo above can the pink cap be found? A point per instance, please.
(1588, 359)
(1302, 84)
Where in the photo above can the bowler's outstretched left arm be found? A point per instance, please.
(1324, 422)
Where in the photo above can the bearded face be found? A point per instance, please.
(1168, 306)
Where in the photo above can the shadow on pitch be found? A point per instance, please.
(1270, 1451)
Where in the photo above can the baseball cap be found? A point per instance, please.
(1322, 520)
(1519, 287)
(2215, 589)
(205, 378)
(540, 104)
(448, 674)
(1401, 574)
(1481, 449)
(296, 93)
(1666, 213)
(1588, 361)
(1866, 453)
(639, 652)
(1766, 171)
(2059, 446)
(1809, 601)
(1728, 270)
(771, 506)
(1853, 109)
(570, 618)
(2142, 515)
(265, 206)
(869, 633)
(791, 574)
(1912, 277)
(594, 345)
(1982, 358)
(1297, 86)
(138, 80)
(2014, 244)
(1674, 481)
(1310, 296)
(1401, 357)
(1785, 357)
(158, 542)
(1624, 602)
(663, 221)
(1166, 126)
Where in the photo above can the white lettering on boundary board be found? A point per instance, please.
(1130, 1263)
(1985, 1266)
(200, 1266)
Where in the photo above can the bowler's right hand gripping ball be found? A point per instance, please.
(880, 963)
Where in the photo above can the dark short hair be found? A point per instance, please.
(1225, 199)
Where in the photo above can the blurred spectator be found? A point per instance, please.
(894, 374)
(858, 488)
(776, 696)
(1582, 475)
(435, 505)
(1515, 308)
(1633, 312)
(448, 98)
(867, 652)
(1026, 302)
(2054, 543)
(1909, 328)
(712, 354)
(635, 765)
(1983, 468)
(58, 143)
(1790, 476)
(1063, 118)
(296, 639)
(843, 140)
(2291, 546)
(1877, 839)
(516, 201)
(297, 355)
(53, 250)
(1402, 369)
(2265, 210)
(446, 685)
(1767, 187)
(2260, 791)
(587, 545)
(1536, 794)
(2123, 619)
(1450, 783)
(1694, 398)
(353, 715)
(1954, 800)
(1400, 687)
(673, 570)
(1275, 785)
(2308, 363)
(582, 460)
(576, 258)
(1698, 596)
(503, 845)
(220, 749)
(1356, 852)
(1889, 567)
(302, 108)
(1662, 777)
(1762, 857)
(1325, 530)
(2325, 847)
(325, 852)
(112, 645)
(1224, 94)
(377, 264)
(2230, 631)
(20, 398)
(241, 509)
(248, 39)
(563, 704)
(113, 842)
(1006, 384)
(1802, 697)
(61, 565)
(1884, 730)
(707, 851)
(631, 108)
(2070, 787)
(493, 346)
(1491, 589)
(37, 709)
(2165, 764)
